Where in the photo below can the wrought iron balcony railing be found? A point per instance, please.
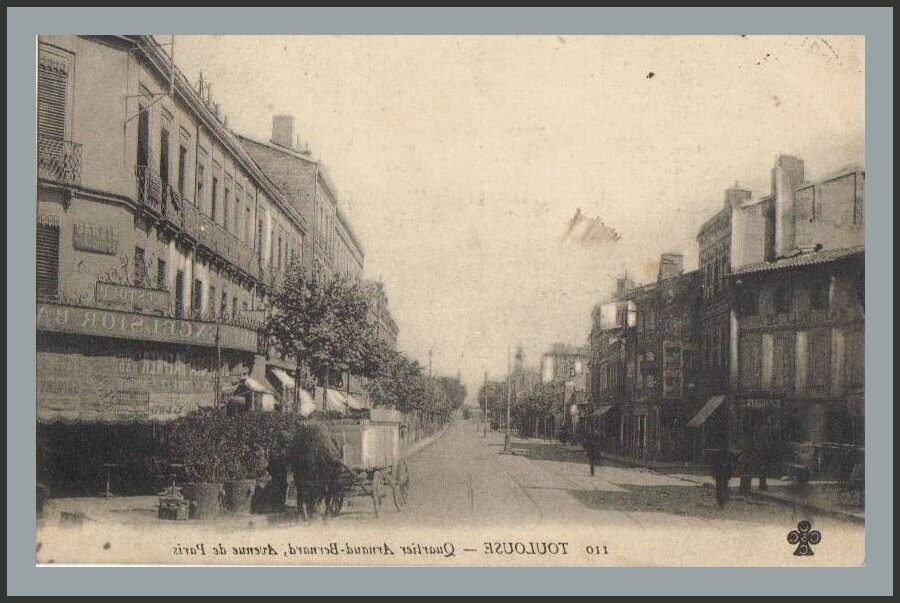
(150, 192)
(59, 160)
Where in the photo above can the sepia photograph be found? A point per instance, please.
(450, 300)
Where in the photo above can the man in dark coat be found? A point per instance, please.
(722, 470)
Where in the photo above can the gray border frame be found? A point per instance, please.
(23, 24)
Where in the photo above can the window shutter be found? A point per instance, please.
(53, 80)
(47, 275)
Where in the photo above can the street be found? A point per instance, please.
(464, 479)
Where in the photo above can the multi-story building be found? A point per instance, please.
(333, 247)
(797, 324)
(385, 324)
(159, 238)
(565, 367)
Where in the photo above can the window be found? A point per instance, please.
(164, 156)
(749, 303)
(859, 284)
(224, 306)
(234, 306)
(818, 295)
(226, 207)
(211, 302)
(259, 240)
(140, 268)
(182, 168)
(143, 141)
(243, 306)
(783, 362)
(820, 359)
(197, 298)
(782, 299)
(751, 361)
(214, 198)
(279, 252)
(179, 294)
(47, 257)
(854, 365)
(161, 274)
(201, 180)
(53, 93)
(248, 225)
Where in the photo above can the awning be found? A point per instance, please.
(287, 382)
(255, 386)
(708, 409)
(307, 404)
(335, 401)
(602, 410)
(355, 403)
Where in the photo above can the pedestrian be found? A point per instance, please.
(721, 465)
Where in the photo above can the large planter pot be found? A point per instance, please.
(238, 495)
(205, 499)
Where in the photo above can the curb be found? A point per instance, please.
(809, 507)
(418, 446)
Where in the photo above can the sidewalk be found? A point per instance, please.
(820, 497)
(143, 510)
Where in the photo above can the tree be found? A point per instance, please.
(324, 324)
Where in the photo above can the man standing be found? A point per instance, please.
(721, 465)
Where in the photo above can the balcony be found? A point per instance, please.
(150, 192)
(215, 238)
(59, 161)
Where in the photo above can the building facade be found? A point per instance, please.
(565, 368)
(333, 247)
(798, 321)
(159, 240)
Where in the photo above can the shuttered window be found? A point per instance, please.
(211, 302)
(197, 298)
(179, 294)
(161, 275)
(47, 258)
(53, 84)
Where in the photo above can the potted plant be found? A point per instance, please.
(200, 440)
(248, 443)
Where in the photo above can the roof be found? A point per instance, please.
(802, 259)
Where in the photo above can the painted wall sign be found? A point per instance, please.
(672, 370)
(130, 325)
(125, 297)
(96, 238)
(80, 383)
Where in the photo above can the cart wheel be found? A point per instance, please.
(377, 491)
(400, 484)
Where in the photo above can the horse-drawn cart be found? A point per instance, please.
(371, 462)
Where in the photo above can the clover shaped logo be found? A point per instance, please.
(804, 537)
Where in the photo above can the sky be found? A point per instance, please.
(461, 160)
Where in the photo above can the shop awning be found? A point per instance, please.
(255, 386)
(307, 404)
(286, 381)
(708, 409)
(355, 403)
(335, 401)
(602, 410)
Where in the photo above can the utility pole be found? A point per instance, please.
(484, 417)
(506, 442)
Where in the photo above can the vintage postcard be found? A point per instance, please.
(545, 300)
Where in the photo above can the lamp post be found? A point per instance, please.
(506, 442)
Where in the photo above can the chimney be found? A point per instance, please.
(623, 286)
(735, 197)
(283, 130)
(787, 175)
(670, 264)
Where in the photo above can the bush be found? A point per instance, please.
(216, 448)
